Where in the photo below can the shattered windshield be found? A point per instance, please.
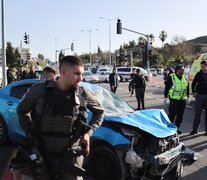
(113, 104)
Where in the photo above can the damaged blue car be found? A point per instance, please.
(138, 144)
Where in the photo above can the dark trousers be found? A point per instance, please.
(200, 104)
(67, 175)
(140, 97)
(113, 89)
(176, 111)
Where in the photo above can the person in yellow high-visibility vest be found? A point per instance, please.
(177, 90)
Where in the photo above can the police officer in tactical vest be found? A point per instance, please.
(177, 90)
(53, 116)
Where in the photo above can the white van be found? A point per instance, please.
(104, 69)
(125, 72)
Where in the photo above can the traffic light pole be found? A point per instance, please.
(63, 49)
(147, 36)
(59, 50)
(119, 28)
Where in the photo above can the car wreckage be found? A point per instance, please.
(139, 144)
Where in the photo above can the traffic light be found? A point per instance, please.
(28, 39)
(72, 47)
(25, 38)
(119, 26)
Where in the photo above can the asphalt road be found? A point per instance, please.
(153, 99)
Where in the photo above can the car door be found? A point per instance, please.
(16, 93)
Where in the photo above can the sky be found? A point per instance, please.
(55, 24)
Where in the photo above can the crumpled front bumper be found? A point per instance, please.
(168, 160)
(166, 157)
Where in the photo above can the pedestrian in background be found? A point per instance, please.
(48, 73)
(139, 84)
(32, 74)
(199, 90)
(132, 75)
(10, 75)
(167, 74)
(177, 90)
(186, 71)
(24, 75)
(113, 81)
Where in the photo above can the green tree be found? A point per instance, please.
(163, 36)
(132, 44)
(12, 55)
(41, 56)
(17, 55)
(142, 42)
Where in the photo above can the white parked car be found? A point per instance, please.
(125, 72)
(104, 76)
(160, 71)
(88, 76)
(153, 71)
(104, 69)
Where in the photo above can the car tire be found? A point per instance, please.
(3, 131)
(104, 164)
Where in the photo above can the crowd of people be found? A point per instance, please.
(21, 73)
(14, 74)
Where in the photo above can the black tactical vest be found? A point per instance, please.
(59, 112)
(57, 118)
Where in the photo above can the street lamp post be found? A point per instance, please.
(109, 20)
(4, 79)
(89, 31)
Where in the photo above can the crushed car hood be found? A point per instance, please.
(153, 121)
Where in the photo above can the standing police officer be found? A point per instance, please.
(139, 84)
(53, 115)
(177, 90)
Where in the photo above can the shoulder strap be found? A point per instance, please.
(82, 108)
(80, 94)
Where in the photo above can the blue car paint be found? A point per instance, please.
(114, 138)
(15, 132)
(153, 121)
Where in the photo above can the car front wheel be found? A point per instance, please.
(3, 131)
(104, 164)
